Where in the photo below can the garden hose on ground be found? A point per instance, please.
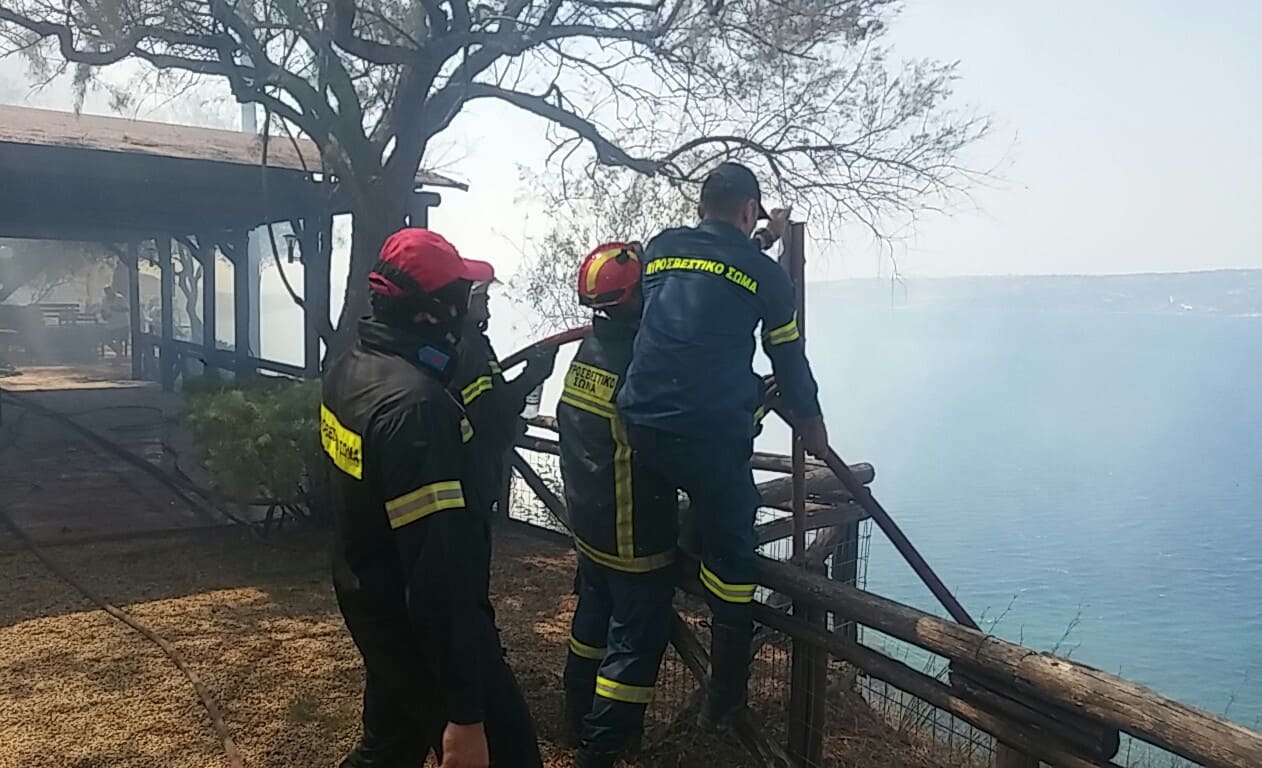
(203, 693)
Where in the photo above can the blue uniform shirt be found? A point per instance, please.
(706, 289)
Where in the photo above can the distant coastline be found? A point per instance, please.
(1224, 293)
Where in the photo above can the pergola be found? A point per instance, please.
(112, 180)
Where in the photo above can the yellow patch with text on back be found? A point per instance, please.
(591, 383)
(344, 447)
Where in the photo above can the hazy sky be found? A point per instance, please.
(1132, 131)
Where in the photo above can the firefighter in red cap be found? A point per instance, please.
(492, 403)
(624, 523)
(411, 555)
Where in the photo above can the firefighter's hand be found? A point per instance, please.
(464, 746)
(540, 363)
(815, 437)
(769, 390)
(779, 222)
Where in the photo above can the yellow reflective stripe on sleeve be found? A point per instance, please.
(760, 413)
(624, 504)
(728, 593)
(478, 386)
(584, 651)
(642, 564)
(495, 367)
(784, 334)
(466, 429)
(425, 501)
(628, 694)
(344, 447)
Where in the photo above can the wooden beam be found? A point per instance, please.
(766, 462)
(241, 287)
(207, 254)
(317, 245)
(1085, 736)
(746, 729)
(133, 311)
(167, 353)
(540, 488)
(817, 516)
(928, 689)
(1186, 731)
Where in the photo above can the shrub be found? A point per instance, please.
(260, 438)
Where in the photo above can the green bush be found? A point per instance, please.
(260, 438)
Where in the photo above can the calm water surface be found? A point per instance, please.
(1099, 474)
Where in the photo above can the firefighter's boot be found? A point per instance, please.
(729, 674)
(577, 705)
(587, 758)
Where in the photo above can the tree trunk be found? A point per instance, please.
(372, 223)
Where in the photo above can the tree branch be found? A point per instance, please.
(344, 12)
(607, 152)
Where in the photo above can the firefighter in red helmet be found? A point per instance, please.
(411, 551)
(624, 522)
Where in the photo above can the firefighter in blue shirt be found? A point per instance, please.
(691, 400)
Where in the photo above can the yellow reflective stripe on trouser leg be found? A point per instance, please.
(424, 501)
(628, 694)
(624, 519)
(585, 651)
(785, 333)
(728, 593)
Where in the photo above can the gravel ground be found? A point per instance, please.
(259, 625)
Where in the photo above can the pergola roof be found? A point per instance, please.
(85, 177)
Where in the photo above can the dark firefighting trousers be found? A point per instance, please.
(620, 630)
(403, 718)
(719, 480)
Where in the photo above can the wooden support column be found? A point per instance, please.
(241, 287)
(419, 205)
(133, 311)
(210, 315)
(167, 288)
(809, 666)
(317, 246)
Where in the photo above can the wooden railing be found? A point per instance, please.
(1043, 707)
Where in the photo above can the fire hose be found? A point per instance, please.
(838, 466)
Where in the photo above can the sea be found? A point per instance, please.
(1086, 479)
(1088, 482)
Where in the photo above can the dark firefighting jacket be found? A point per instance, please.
(493, 406)
(410, 554)
(706, 289)
(623, 517)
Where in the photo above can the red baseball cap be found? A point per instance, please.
(427, 259)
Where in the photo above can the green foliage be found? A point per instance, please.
(259, 437)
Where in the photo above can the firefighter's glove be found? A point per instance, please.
(539, 364)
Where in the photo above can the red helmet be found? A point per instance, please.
(610, 275)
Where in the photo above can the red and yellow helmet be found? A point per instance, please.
(610, 275)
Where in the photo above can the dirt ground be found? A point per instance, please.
(259, 625)
(79, 689)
